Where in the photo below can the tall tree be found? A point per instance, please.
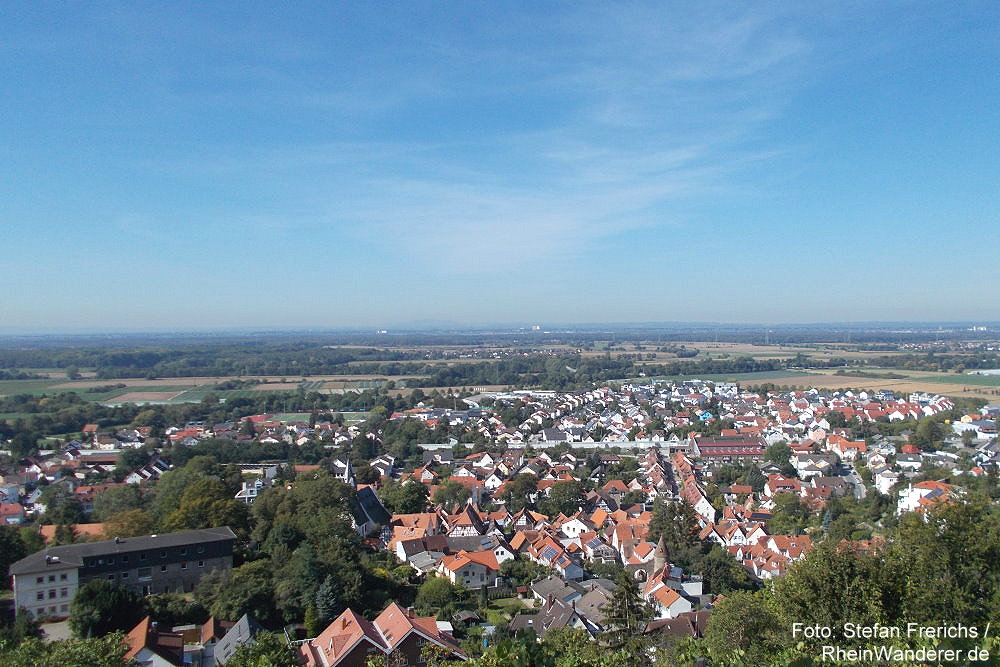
(745, 630)
(627, 614)
(12, 549)
(677, 522)
(450, 493)
(101, 607)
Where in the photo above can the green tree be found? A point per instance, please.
(834, 586)
(789, 516)
(744, 630)
(676, 522)
(328, 605)
(12, 549)
(107, 651)
(721, 573)
(950, 557)
(130, 523)
(435, 594)
(268, 649)
(24, 626)
(207, 503)
(781, 454)
(403, 498)
(170, 609)
(61, 506)
(518, 493)
(564, 497)
(626, 614)
(101, 607)
(117, 499)
(450, 493)
(245, 590)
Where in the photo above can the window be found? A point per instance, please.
(64, 608)
(201, 563)
(64, 592)
(111, 577)
(62, 577)
(142, 556)
(124, 559)
(163, 554)
(124, 575)
(111, 561)
(40, 595)
(52, 577)
(52, 593)
(39, 580)
(184, 565)
(201, 548)
(145, 572)
(163, 568)
(184, 551)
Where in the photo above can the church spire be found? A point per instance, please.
(660, 557)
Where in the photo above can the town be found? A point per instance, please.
(626, 515)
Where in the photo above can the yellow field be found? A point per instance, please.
(826, 379)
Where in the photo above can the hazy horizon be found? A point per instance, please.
(325, 166)
(403, 328)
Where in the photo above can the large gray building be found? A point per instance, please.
(45, 582)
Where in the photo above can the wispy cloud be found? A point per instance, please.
(654, 109)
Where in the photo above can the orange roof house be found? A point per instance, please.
(351, 639)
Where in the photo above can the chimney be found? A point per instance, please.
(343, 623)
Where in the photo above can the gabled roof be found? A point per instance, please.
(145, 635)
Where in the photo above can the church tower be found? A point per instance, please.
(660, 557)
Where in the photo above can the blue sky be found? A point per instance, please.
(183, 165)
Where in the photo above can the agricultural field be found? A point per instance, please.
(775, 377)
(947, 384)
(188, 390)
(817, 351)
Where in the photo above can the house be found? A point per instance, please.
(472, 570)
(150, 646)
(885, 480)
(250, 490)
(46, 581)
(918, 497)
(351, 640)
(368, 513)
(780, 484)
(11, 514)
(242, 632)
(342, 470)
(552, 616)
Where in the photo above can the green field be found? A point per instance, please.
(727, 377)
(35, 387)
(292, 416)
(977, 380)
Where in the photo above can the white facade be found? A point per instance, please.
(48, 593)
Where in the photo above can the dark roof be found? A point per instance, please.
(72, 555)
(372, 507)
(243, 632)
